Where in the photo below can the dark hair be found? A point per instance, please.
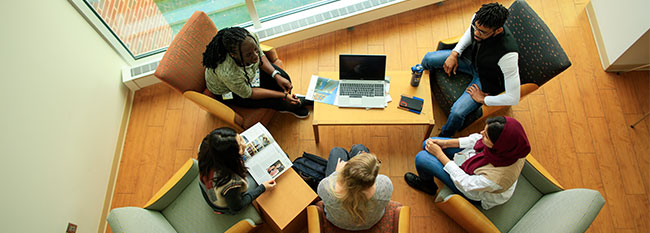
(226, 41)
(495, 127)
(491, 15)
(220, 151)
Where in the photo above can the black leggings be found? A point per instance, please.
(266, 82)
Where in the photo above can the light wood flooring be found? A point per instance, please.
(578, 123)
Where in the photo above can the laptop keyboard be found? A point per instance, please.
(358, 90)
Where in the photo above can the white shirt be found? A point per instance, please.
(476, 187)
(510, 68)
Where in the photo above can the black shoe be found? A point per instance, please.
(305, 102)
(300, 112)
(415, 182)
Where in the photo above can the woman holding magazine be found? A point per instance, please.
(223, 180)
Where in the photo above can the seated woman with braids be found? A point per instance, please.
(223, 180)
(485, 168)
(238, 73)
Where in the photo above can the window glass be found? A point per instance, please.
(270, 7)
(146, 27)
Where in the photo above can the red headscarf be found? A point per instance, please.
(511, 145)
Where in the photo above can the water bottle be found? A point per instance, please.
(416, 74)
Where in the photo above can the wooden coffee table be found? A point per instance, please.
(283, 208)
(325, 114)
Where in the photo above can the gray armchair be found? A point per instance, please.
(540, 59)
(538, 205)
(179, 206)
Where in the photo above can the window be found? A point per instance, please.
(140, 28)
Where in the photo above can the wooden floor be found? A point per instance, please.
(578, 123)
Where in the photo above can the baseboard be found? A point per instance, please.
(119, 147)
(598, 37)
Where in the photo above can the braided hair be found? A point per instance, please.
(220, 151)
(492, 15)
(227, 40)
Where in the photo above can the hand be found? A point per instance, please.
(433, 148)
(436, 151)
(340, 164)
(269, 184)
(292, 98)
(284, 83)
(444, 144)
(451, 64)
(476, 93)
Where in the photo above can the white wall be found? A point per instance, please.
(61, 101)
(621, 25)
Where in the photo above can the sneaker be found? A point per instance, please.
(415, 182)
(300, 112)
(305, 102)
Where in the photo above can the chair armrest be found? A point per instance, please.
(174, 186)
(216, 108)
(448, 43)
(404, 225)
(464, 213)
(538, 166)
(313, 219)
(243, 226)
(270, 53)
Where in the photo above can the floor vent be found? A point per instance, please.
(140, 76)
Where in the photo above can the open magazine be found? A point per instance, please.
(263, 156)
(323, 90)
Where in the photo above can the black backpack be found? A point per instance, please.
(311, 168)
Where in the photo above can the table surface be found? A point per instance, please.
(325, 114)
(288, 199)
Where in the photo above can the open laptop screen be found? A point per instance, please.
(362, 67)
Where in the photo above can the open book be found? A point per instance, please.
(263, 156)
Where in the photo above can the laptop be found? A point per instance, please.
(361, 81)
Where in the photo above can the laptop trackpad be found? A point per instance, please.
(355, 102)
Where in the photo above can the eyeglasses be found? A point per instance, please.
(483, 33)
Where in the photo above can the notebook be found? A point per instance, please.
(361, 81)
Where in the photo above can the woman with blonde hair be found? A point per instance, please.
(354, 194)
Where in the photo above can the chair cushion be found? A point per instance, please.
(136, 219)
(540, 55)
(505, 216)
(182, 65)
(190, 213)
(448, 89)
(387, 223)
(565, 211)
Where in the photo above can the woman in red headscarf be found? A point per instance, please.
(485, 166)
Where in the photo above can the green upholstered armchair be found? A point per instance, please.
(538, 205)
(179, 206)
(540, 59)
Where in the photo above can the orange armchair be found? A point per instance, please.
(182, 69)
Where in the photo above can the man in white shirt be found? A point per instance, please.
(489, 53)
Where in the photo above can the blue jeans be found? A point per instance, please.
(463, 105)
(338, 152)
(428, 166)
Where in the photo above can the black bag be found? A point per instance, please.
(311, 168)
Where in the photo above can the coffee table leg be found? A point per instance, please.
(316, 136)
(429, 129)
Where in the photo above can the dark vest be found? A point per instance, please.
(485, 57)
